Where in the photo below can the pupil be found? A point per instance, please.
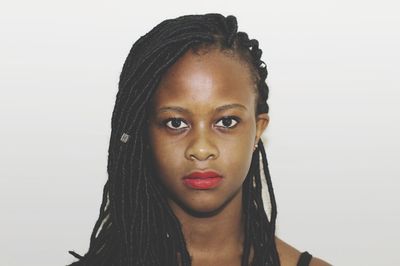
(227, 122)
(176, 123)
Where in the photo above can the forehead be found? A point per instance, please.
(209, 77)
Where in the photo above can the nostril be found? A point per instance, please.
(193, 157)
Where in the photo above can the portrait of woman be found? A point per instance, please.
(186, 157)
(199, 133)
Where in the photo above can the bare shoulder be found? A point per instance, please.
(319, 262)
(289, 256)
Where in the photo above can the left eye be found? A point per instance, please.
(228, 122)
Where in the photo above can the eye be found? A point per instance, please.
(228, 122)
(175, 123)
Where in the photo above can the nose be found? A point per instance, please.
(202, 146)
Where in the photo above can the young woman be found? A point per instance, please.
(186, 158)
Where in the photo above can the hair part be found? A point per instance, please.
(136, 226)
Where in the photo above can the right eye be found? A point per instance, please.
(176, 123)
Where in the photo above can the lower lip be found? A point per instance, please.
(203, 183)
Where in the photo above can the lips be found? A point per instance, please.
(202, 180)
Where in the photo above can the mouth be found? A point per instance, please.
(202, 180)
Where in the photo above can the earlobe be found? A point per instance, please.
(262, 121)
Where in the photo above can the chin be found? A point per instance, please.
(203, 210)
(203, 206)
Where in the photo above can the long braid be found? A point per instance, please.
(136, 226)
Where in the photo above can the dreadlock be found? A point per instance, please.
(136, 226)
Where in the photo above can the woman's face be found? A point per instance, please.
(203, 119)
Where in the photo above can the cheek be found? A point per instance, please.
(167, 156)
(237, 153)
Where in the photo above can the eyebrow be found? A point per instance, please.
(218, 109)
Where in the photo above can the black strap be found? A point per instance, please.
(304, 259)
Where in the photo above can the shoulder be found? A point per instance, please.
(319, 262)
(289, 255)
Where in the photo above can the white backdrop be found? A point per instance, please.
(332, 143)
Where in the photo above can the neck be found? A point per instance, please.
(222, 233)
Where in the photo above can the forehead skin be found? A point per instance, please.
(207, 77)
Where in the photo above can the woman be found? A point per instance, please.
(184, 185)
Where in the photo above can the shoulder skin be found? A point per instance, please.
(289, 255)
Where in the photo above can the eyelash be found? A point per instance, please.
(234, 118)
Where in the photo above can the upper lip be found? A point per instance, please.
(202, 174)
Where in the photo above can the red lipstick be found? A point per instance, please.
(202, 180)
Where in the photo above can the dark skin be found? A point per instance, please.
(204, 118)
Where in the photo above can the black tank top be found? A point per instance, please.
(304, 259)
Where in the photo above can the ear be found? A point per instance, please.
(262, 121)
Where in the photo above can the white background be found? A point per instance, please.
(333, 140)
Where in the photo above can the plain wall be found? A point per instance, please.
(332, 142)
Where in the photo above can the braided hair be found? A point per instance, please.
(136, 226)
